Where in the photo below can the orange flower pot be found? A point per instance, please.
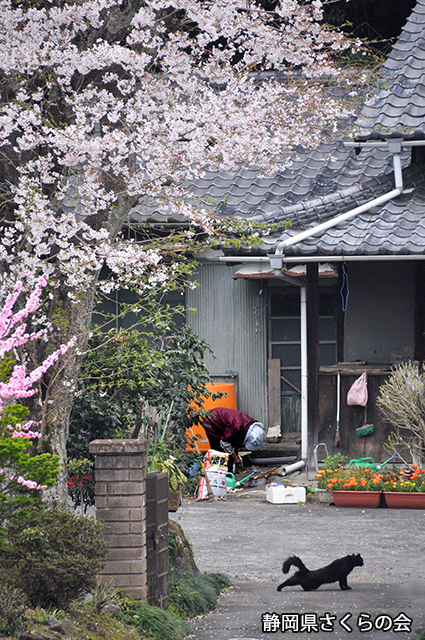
(404, 500)
(362, 499)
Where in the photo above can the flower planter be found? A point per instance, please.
(404, 500)
(363, 499)
(325, 496)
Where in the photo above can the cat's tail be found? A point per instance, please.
(296, 562)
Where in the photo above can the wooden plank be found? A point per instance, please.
(419, 311)
(274, 399)
(352, 417)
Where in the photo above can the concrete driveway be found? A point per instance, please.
(247, 538)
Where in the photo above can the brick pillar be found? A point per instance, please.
(120, 473)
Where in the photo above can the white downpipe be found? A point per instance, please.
(304, 395)
(308, 233)
(324, 226)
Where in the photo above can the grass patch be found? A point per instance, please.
(151, 622)
(194, 594)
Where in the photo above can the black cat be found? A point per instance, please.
(336, 571)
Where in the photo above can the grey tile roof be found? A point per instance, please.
(333, 179)
(400, 108)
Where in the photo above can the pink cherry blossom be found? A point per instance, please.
(21, 382)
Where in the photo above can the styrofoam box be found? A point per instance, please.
(279, 494)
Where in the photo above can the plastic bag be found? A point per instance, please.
(358, 392)
(215, 463)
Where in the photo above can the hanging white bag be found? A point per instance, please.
(357, 394)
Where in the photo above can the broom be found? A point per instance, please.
(207, 482)
(210, 492)
(366, 429)
(337, 438)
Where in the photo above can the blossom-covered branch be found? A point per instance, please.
(21, 473)
(108, 108)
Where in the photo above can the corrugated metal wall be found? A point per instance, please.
(231, 316)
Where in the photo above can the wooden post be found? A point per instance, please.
(274, 393)
(419, 312)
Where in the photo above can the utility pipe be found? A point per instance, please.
(304, 395)
(276, 260)
(292, 467)
(381, 144)
(382, 257)
(324, 226)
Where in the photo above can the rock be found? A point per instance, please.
(111, 609)
(33, 635)
(87, 597)
(180, 550)
(62, 626)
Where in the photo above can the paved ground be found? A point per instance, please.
(247, 538)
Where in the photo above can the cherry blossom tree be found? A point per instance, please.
(106, 104)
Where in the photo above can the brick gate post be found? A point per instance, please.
(120, 474)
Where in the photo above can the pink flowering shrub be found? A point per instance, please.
(22, 475)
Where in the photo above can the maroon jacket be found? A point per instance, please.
(229, 425)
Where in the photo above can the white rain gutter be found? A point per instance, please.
(276, 263)
(381, 257)
(276, 259)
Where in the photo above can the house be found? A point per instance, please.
(294, 321)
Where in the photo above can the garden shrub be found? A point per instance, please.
(13, 605)
(23, 475)
(130, 381)
(401, 400)
(194, 594)
(53, 555)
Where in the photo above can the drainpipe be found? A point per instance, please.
(394, 146)
(304, 405)
(276, 263)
